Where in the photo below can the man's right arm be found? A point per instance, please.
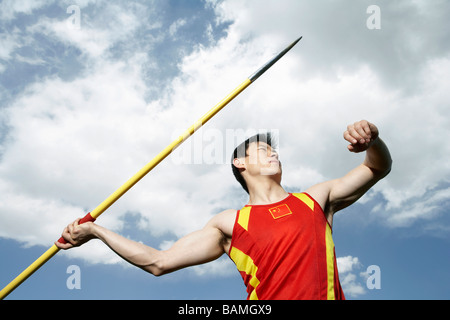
(196, 248)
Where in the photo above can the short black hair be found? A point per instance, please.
(241, 152)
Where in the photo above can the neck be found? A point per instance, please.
(266, 193)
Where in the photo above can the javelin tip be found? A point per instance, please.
(269, 64)
(296, 41)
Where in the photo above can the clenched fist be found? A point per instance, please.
(361, 135)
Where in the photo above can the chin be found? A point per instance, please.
(271, 171)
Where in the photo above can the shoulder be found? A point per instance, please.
(321, 193)
(224, 221)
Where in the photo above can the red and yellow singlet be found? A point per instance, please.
(285, 251)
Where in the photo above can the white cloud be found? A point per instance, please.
(54, 142)
(429, 207)
(350, 276)
(8, 46)
(350, 285)
(97, 34)
(219, 268)
(175, 26)
(346, 264)
(9, 8)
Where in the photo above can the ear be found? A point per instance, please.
(239, 163)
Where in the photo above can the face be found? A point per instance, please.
(262, 159)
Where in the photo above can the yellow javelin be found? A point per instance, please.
(92, 216)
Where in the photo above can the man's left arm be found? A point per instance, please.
(338, 194)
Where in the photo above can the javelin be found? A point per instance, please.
(93, 215)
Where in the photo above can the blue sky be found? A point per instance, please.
(86, 100)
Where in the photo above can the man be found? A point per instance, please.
(280, 242)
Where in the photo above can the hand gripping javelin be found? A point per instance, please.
(93, 215)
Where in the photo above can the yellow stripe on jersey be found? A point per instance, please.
(244, 217)
(307, 200)
(330, 262)
(245, 264)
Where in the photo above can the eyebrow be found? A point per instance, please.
(263, 146)
(267, 147)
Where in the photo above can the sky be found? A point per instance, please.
(90, 91)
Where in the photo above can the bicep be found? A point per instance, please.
(196, 248)
(335, 195)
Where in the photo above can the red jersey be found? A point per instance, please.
(285, 251)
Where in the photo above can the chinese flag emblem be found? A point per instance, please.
(280, 211)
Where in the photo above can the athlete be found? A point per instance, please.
(280, 242)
